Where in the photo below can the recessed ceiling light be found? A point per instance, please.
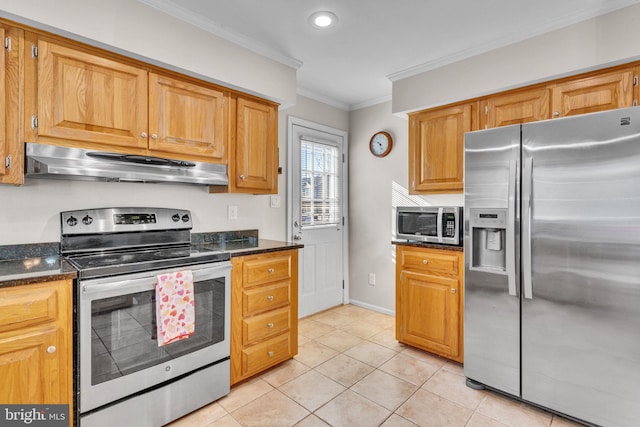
(323, 19)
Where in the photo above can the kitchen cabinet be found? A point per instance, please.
(36, 344)
(436, 148)
(594, 92)
(264, 311)
(429, 300)
(514, 107)
(11, 62)
(87, 99)
(254, 146)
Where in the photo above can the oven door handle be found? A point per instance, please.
(132, 285)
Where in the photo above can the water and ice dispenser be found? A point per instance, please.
(488, 229)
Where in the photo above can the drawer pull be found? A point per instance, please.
(51, 349)
(270, 270)
(270, 354)
(270, 297)
(270, 325)
(453, 290)
(425, 261)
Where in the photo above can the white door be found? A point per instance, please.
(317, 216)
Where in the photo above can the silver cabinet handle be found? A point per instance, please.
(154, 136)
(511, 227)
(527, 190)
(270, 325)
(270, 297)
(270, 353)
(51, 349)
(241, 176)
(556, 114)
(270, 270)
(453, 290)
(425, 261)
(143, 134)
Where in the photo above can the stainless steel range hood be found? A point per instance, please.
(55, 162)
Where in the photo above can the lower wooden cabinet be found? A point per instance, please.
(36, 344)
(429, 300)
(264, 312)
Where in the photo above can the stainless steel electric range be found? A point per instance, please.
(125, 378)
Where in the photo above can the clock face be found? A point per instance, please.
(380, 144)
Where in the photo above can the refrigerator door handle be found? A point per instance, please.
(527, 188)
(511, 232)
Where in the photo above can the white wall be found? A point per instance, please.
(596, 43)
(376, 187)
(137, 30)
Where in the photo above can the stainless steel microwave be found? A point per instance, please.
(431, 224)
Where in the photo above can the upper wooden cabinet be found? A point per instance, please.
(436, 149)
(515, 107)
(36, 344)
(86, 100)
(254, 164)
(11, 89)
(187, 118)
(77, 98)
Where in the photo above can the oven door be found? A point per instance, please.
(119, 353)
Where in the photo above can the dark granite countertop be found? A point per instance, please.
(427, 245)
(16, 272)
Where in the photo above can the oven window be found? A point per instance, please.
(123, 331)
(418, 223)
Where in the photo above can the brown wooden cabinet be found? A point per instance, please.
(594, 92)
(254, 157)
(36, 344)
(514, 107)
(436, 148)
(429, 300)
(11, 89)
(264, 312)
(79, 98)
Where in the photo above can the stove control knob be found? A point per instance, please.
(175, 217)
(72, 221)
(87, 220)
(185, 218)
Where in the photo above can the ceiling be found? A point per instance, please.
(353, 64)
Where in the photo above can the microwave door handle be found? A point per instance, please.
(439, 225)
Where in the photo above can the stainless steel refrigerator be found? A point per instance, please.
(552, 264)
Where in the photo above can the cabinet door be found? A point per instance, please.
(430, 313)
(35, 344)
(187, 118)
(88, 99)
(515, 107)
(595, 93)
(436, 149)
(11, 142)
(256, 148)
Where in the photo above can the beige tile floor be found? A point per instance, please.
(350, 371)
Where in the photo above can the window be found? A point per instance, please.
(320, 184)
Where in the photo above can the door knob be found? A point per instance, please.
(297, 237)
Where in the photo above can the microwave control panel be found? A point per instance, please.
(449, 225)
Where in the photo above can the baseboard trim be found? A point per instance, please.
(372, 307)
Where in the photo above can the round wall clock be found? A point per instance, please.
(381, 144)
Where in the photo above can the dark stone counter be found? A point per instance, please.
(427, 245)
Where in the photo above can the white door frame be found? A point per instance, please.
(291, 121)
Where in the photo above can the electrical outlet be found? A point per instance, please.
(233, 212)
(275, 201)
(372, 279)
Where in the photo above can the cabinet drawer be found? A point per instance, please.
(265, 298)
(261, 271)
(434, 262)
(25, 306)
(266, 354)
(266, 325)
